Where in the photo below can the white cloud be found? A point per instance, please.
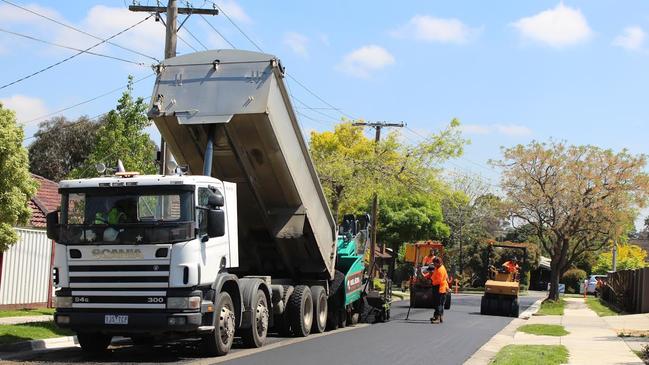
(558, 27)
(513, 130)
(26, 108)
(363, 61)
(234, 11)
(510, 130)
(475, 129)
(431, 29)
(632, 38)
(297, 43)
(104, 21)
(12, 14)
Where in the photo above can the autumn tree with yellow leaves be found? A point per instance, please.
(576, 198)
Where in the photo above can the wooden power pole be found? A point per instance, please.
(171, 37)
(375, 200)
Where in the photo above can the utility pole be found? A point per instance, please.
(171, 38)
(375, 200)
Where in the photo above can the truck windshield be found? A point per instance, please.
(96, 216)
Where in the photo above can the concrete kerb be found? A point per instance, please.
(503, 338)
(11, 349)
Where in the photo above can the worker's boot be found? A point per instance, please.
(434, 319)
(441, 318)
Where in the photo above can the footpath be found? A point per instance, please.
(592, 339)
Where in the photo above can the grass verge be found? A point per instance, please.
(30, 331)
(531, 354)
(551, 308)
(600, 307)
(543, 329)
(26, 312)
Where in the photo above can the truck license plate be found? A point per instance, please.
(114, 319)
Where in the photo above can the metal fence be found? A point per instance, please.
(628, 290)
(26, 270)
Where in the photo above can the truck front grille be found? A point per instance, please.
(119, 286)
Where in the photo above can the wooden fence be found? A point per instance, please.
(628, 290)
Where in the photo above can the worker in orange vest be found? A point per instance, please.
(440, 283)
(511, 266)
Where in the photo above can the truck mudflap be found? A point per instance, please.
(125, 323)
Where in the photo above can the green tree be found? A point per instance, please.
(16, 185)
(629, 257)
(411, 217)
(61, 146)
(352, 166)
(577, 198)
(122, 136)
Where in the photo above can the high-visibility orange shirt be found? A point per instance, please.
(511, 267)
(427, 260)
(440, 277)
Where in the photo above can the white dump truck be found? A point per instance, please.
(242, 243)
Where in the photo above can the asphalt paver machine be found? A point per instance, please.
(502, 287)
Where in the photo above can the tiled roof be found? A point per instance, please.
(47, 199)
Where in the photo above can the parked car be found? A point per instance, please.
(592, 282)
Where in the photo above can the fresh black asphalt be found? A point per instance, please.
(415, 341)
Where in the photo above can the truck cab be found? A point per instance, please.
(139, 256)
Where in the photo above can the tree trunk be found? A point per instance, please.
(555, 276)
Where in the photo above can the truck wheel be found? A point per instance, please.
(300, 311)
(319, 309)
(93, 342)
(219, 342)
(353, 318)
(255, 336)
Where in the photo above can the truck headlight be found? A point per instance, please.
(183, 302)
(63, 302)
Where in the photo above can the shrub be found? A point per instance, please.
(573, 279)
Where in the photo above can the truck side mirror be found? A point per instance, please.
(216, 223)
(52, 220)
(215, 199)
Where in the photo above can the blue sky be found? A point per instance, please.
(511, 71)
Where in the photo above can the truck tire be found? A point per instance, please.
(255, 336)
(320, 309)
(93, 342)
(219, 342)
(342, 318)
(300, 311)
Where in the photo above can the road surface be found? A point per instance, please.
(415, 341)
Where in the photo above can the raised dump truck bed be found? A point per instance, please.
(239, 99)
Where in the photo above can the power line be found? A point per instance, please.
(236, 26)
(86, 101)
(96, 117)
(74, 55)
(196, 39)
(318, 97)
(287, 74)
(71, 48)
(217, 32)
(78, 30)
